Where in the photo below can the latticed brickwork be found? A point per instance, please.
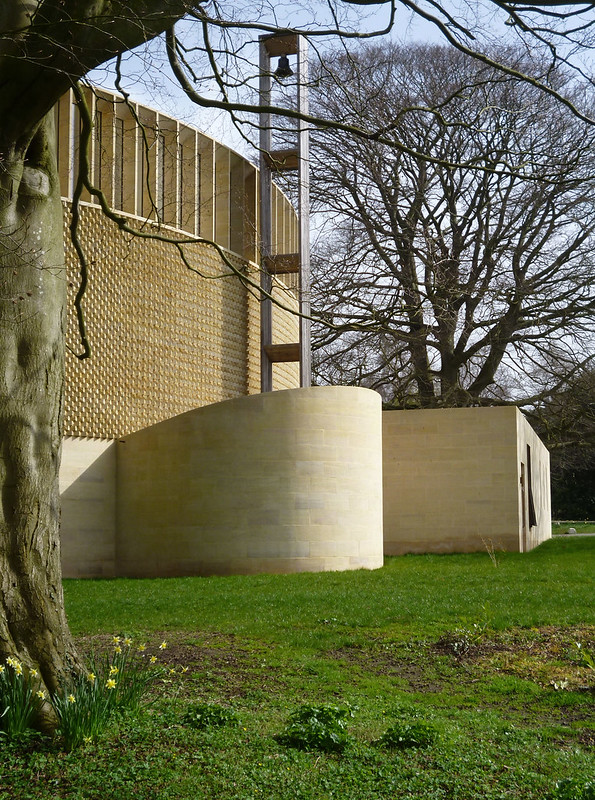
(286, 328)
(164, 339)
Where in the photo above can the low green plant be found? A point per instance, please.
(587, 658)
(402, 735)
(323, 727)
(19, 699)
(571, 789)
(469, 634)
(209, 715)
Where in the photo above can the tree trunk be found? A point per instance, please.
(43, 48)
(32, 310)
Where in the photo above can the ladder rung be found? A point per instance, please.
(282, 264)
(281, 160)
(283, 352)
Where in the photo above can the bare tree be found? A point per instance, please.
(566, 423)
(46, 47)
(464, 248)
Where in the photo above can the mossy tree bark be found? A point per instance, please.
(45, 45)
(32, 300)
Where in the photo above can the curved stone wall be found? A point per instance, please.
(281, 482)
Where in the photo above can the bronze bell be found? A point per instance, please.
(283, 69)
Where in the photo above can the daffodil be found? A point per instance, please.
(117, 649)
(153, 659)
(71, 698)
(91, 677)
(33, 673)
(41, 694)
(184, 669)
(128, 641)
(115, 640)
(113, 670)
(1, 668)
(163, 645)
(87, 739)
(111, 684)
(141, 648)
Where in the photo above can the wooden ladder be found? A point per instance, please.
(272, 161)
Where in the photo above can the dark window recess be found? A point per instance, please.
(532, 512)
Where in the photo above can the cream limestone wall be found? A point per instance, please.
(291, 481)
(452, 481)
(286, 481)
(534, 487)
(88, 488)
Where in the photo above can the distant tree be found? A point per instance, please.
(463, 248)
(566, 423)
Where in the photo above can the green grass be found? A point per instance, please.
(484, 655)
(412, 597)
(562, 526)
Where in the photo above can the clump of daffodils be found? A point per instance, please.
(117, 682)
(21, 697)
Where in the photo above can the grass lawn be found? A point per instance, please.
(485, 656)
(562, 526)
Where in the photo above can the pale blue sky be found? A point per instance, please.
(149, 80)
(147, 76)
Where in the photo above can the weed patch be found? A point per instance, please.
(322, 727)
(209, 715)
(402, 735)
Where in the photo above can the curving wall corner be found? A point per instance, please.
(286, 481)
